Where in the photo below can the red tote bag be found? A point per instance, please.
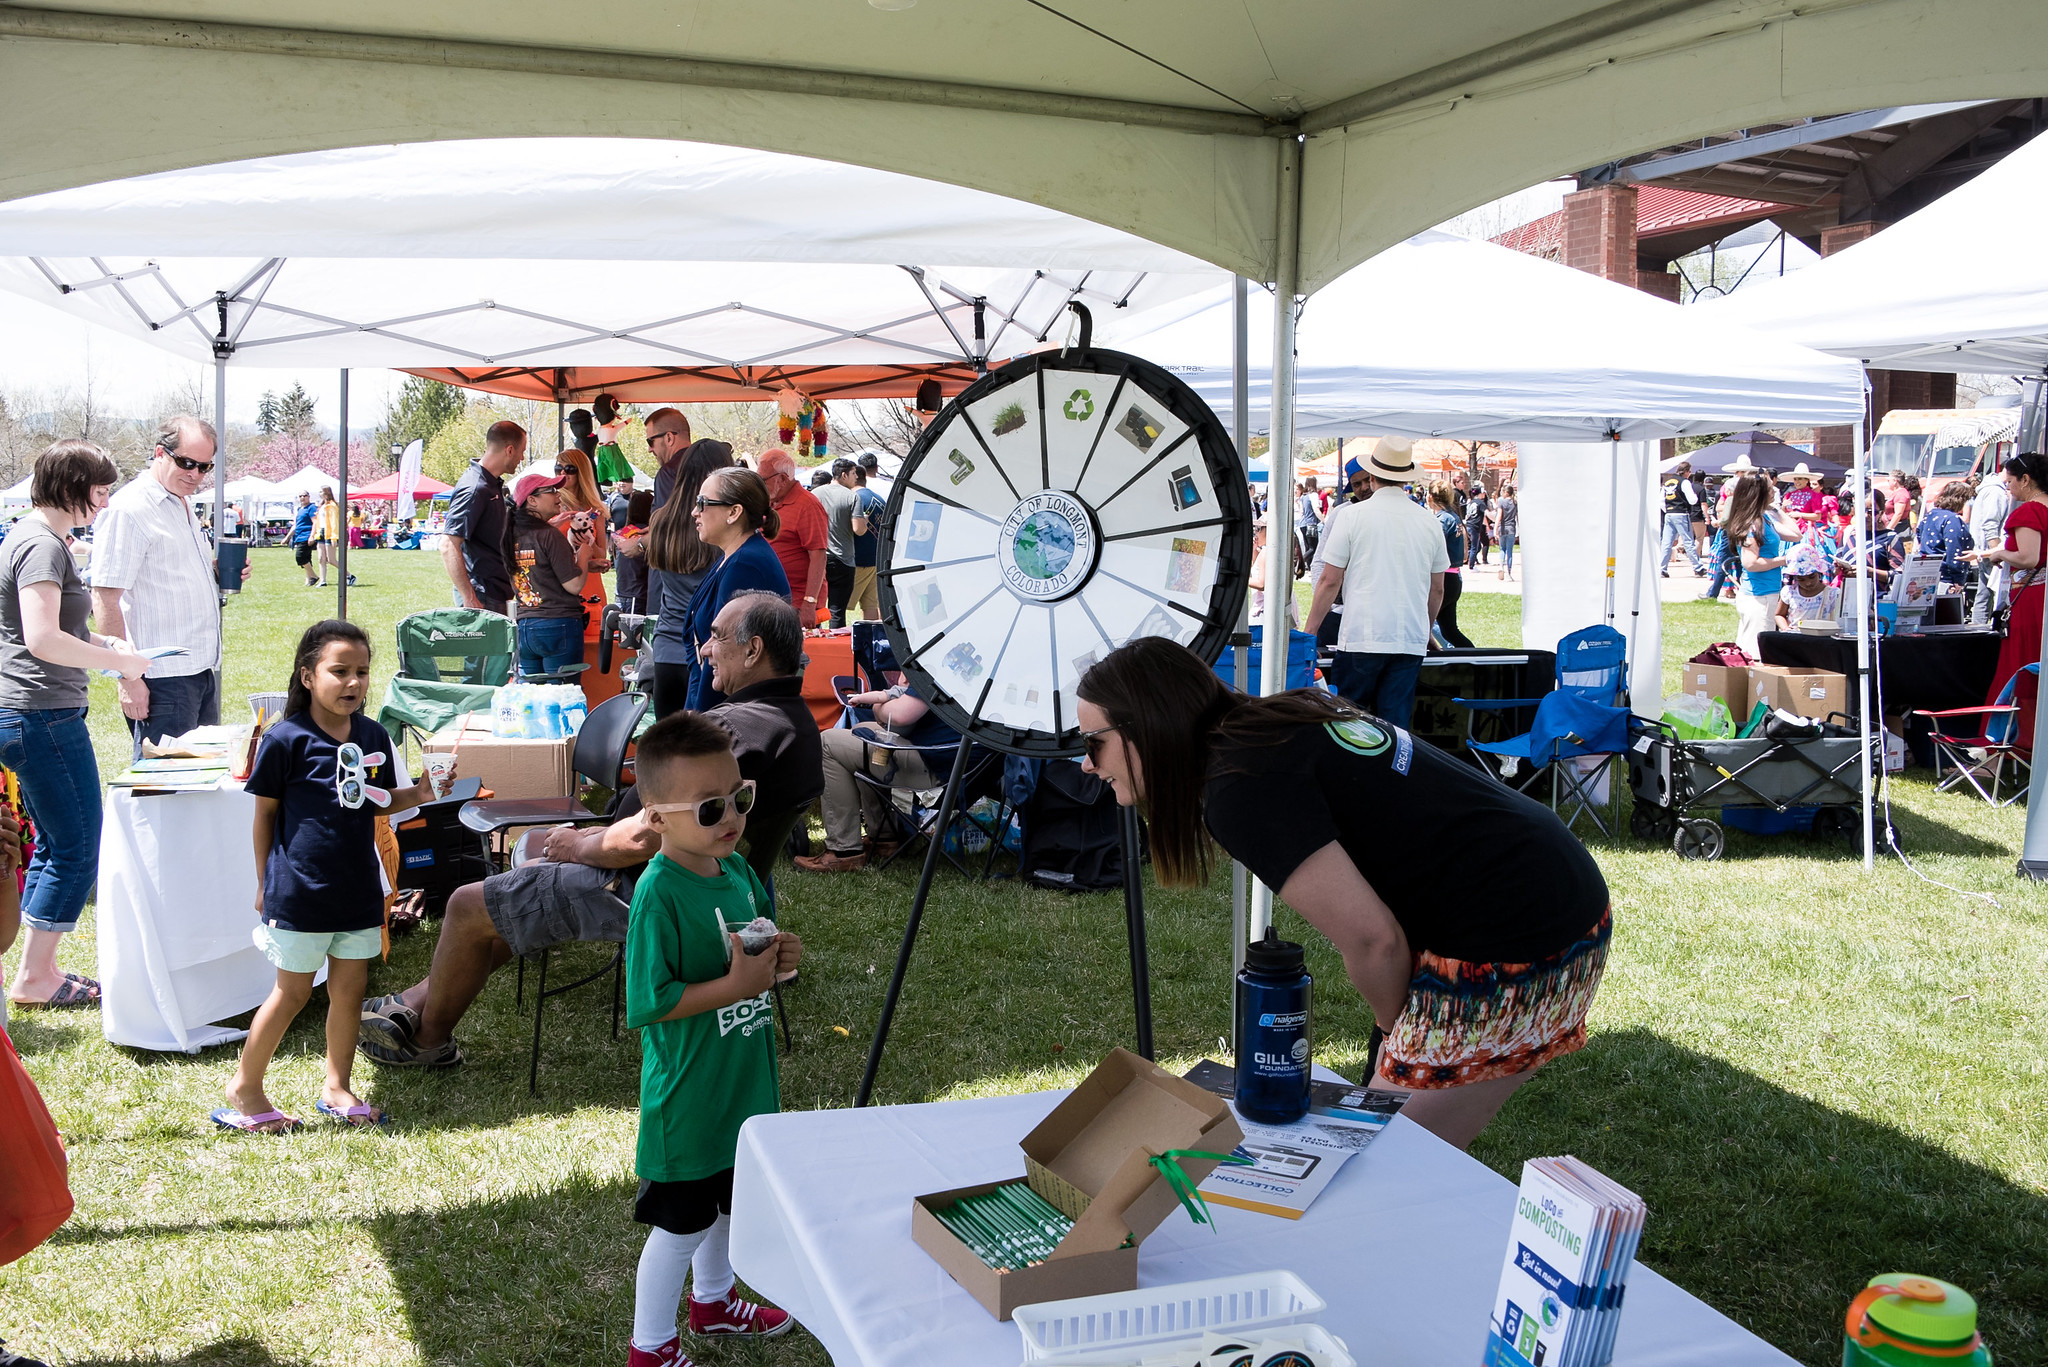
(34, 1197)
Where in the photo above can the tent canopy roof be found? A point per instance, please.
(424, 486)
(1444, 337)
(1166, 118)
(711, 268)
(1961, 286)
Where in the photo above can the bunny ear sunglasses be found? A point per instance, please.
(351, 776)
(711, 810)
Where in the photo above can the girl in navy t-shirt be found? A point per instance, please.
(320, 778)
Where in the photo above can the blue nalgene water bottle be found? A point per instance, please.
(1273, 1032)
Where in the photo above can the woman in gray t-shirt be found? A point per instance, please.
(45, 651)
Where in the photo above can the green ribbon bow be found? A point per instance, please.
(1191, 1200)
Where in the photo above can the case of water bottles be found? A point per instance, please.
(522, 711)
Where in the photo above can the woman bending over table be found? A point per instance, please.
(1471, 991)
(45, 651)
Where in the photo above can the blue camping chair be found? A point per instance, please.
(1585, 715)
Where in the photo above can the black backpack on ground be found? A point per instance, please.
(1071, 836)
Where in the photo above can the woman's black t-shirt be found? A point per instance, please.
(1470, 868)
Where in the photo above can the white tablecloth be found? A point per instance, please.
(177, 905)
(1406, 1245)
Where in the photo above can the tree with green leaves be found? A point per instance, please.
(422, 409)
(266, 414)
(295, 412)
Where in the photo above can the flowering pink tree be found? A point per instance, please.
(284, 454)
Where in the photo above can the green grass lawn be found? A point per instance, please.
(1811, 1074)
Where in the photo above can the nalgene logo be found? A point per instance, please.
(1282, 1019)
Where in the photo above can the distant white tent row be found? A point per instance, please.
(18, 495)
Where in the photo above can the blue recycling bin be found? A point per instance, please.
(1301, 662)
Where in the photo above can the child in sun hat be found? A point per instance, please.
(1810, 593)
(701, 1003)
(320, 777)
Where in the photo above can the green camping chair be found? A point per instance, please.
(451, 661)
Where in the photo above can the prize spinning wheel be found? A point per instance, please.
(1060, 506)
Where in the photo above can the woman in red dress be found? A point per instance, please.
(2026, 531)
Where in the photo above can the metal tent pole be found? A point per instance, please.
(341, 541)
(1280, 462)
(1635, 611)
(220, 455)
(1240, 399)
(1863, 575)
(1613, 511)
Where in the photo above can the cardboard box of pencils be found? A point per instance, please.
(1070, 1225)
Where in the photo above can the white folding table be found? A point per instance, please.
(176, 911)
(1406, 1244)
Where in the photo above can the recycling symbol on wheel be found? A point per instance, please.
(1080, 405)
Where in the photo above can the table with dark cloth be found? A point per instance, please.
(1931, 672)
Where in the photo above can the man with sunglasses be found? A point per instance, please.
(668, 437)
(581, 887)
(155, 584)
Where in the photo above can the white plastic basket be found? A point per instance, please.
(1064, 1331)
(1325, 1349)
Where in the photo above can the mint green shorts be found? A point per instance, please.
(307, 951)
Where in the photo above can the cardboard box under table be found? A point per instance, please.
(509, 768)
(1091, 1158)
(1800, 689)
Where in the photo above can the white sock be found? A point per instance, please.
(658, 1289)
(711, 1269)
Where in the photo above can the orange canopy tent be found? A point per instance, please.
(701, 384)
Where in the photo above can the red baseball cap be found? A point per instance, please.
(532, 483)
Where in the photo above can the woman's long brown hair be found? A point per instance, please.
(580, 493)
(1174, 712)
(672, 543)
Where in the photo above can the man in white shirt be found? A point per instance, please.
(1389, 557)
(154, 584)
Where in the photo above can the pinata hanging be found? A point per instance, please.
(790, 406)
(818, 436)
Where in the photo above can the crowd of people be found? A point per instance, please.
(739, 558)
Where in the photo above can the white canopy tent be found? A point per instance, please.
(1439, 336)
(309, 480)
(18, 495)
(1961, 285)
(484, 256)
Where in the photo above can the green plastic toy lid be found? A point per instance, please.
(1926, 1309)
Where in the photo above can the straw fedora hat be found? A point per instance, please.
(1799, 471)
(1392, 460)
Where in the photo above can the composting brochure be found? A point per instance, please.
(1569, 1251)
(1292, 1164)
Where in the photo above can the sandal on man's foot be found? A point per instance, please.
(446, 1054)
(390, 1017)
(360, 1116)
(228, 1118)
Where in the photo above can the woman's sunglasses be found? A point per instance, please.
(703, 503)
(204, 467)
(711, 810)
(1092, 742)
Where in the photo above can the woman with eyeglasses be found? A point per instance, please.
(45, 651)
(1338, 811)
(735, 517)
(677, 561)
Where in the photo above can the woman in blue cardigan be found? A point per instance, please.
(733, 515)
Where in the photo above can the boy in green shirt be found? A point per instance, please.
(707, 1034)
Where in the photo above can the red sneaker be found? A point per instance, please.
(670, 1354)
(733, 1315)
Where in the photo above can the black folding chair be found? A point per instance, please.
(527, 851)
(879, 772)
